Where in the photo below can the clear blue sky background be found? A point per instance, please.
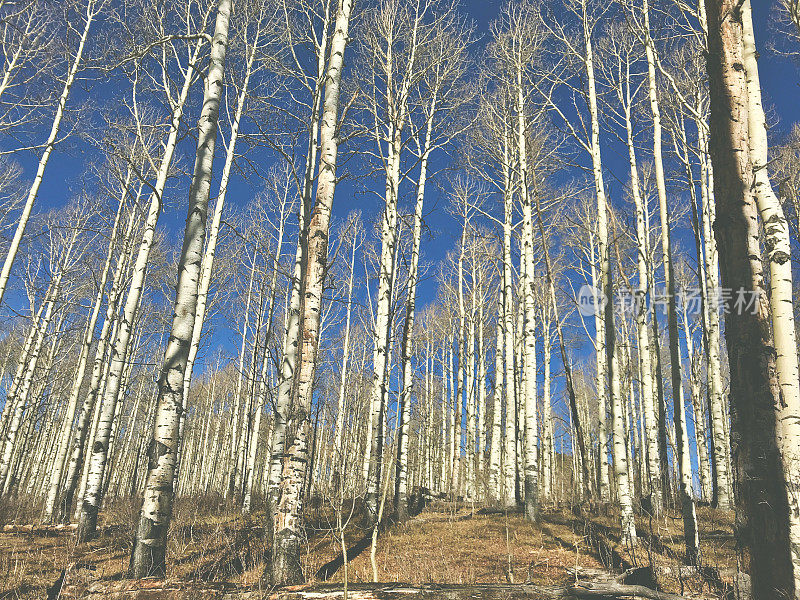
(63, 179)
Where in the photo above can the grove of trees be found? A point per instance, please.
(544, 261)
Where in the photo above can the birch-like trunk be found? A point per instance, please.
(527, 281)
(404, 427)
(778, 247)
(495, 473)
(291, 342)
(338, 456)
(607, 302)
(286, 568)
(150, 545)
(510, 454)
(763, 521)
(97, 460)
(641, 307)
(262, 390)
(684, 466)
(59, 462)
(91, 12)
(99, 369)
(17, 400)
(547, 414)
(207, 266)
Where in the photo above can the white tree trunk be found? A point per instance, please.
(91, 12)
(777, 242)
(149, 552)
(88, 338)
(99, 456)
(286, 568)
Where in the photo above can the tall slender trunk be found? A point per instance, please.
(262, 390)
(763, 521)
(527, 281)
(547, 414)
(17, 400)
(495, 474)
(510, 454)
(97, 461)
(682, 460)
(778, 247)
(57, 470)
(606, 293)
(480, 396)
(286, 568)
(338, 456)
(150, 545)
(49, 145)
(641, 307)
(404, 427)
(575, 418)
(99, 369)
(720, 442)
(207, 265)
(291, 342)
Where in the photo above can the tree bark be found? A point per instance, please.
(287, 545)
(150, 545)
(763, 522)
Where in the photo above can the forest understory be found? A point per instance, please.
(212, 550)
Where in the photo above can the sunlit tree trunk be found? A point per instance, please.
(286, 568)
(778, 251)
(207, 265)
(641, 306)
(763, 521)
(495, 473)
(97, 460)
(150, 546)
(88, 338)
(510, 429)
(338, 456)
(682, 460)
(90, 13)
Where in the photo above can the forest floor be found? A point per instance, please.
(446, 543)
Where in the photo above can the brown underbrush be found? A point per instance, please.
(210, 541)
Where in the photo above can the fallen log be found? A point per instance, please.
(612, 590)
(153, 589)
(148, 589)
(39, 529)
(431, 591)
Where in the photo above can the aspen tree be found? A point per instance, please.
(252, 46)
(682, 460)
(149, 552)
(99, 368)
(392, 58)
(64, 443)
(441, 95)
(763, 522)
(625, 95)
(285, 563)
(778, 253)
(495, 474)
(286, 201)
(510, 455)
(588, 138)
(88, 14)
(356, 239)
(119, 349)
(18, 400)
(313, 82)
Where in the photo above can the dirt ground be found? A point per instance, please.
(446, 543)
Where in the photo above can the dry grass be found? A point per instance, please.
(210, 541)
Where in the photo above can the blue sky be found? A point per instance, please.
(64, 176)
